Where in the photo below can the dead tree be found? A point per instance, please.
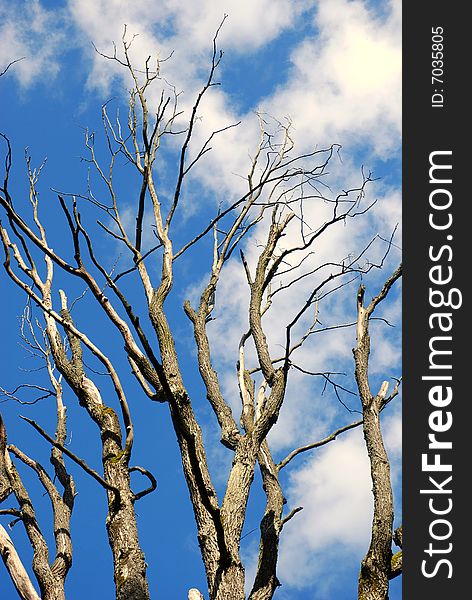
(279, 185)
(51, 575)
(378, 566)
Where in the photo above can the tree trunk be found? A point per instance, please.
(375, 569)
(231, 584)
(55, 591)
(266, 581)
(128, 558)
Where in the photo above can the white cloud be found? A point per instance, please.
(344, 85)
(333, 486)
(393, 434)
(243, 31)
(184, 29)
(31, 33)
(347, 78)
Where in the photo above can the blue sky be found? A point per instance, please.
(334, 68)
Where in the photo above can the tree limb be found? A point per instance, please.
(15, 568)
(283, 463)
(73, 457)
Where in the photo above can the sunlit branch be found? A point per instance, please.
(283, 463)
(290, 515)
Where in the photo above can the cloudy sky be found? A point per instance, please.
(333, 68)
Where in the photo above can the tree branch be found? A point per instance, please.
(73, 457)
(15, 568)
(283, 463)
(151, 478)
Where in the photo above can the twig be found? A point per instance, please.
(151, 478)
(290, 515)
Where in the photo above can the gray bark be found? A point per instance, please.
(376, 566)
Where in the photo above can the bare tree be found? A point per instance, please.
(279, 185)
(378, 566)
(51, 576)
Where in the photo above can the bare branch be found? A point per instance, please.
(11, 511)
(48, 393)
(9, 473)
(73, 457)
(279, 186)
(11, 63)
(15, 568)
(291, 514)
(283, 463)
(40, 471)
(151, 478)
(183, 170)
